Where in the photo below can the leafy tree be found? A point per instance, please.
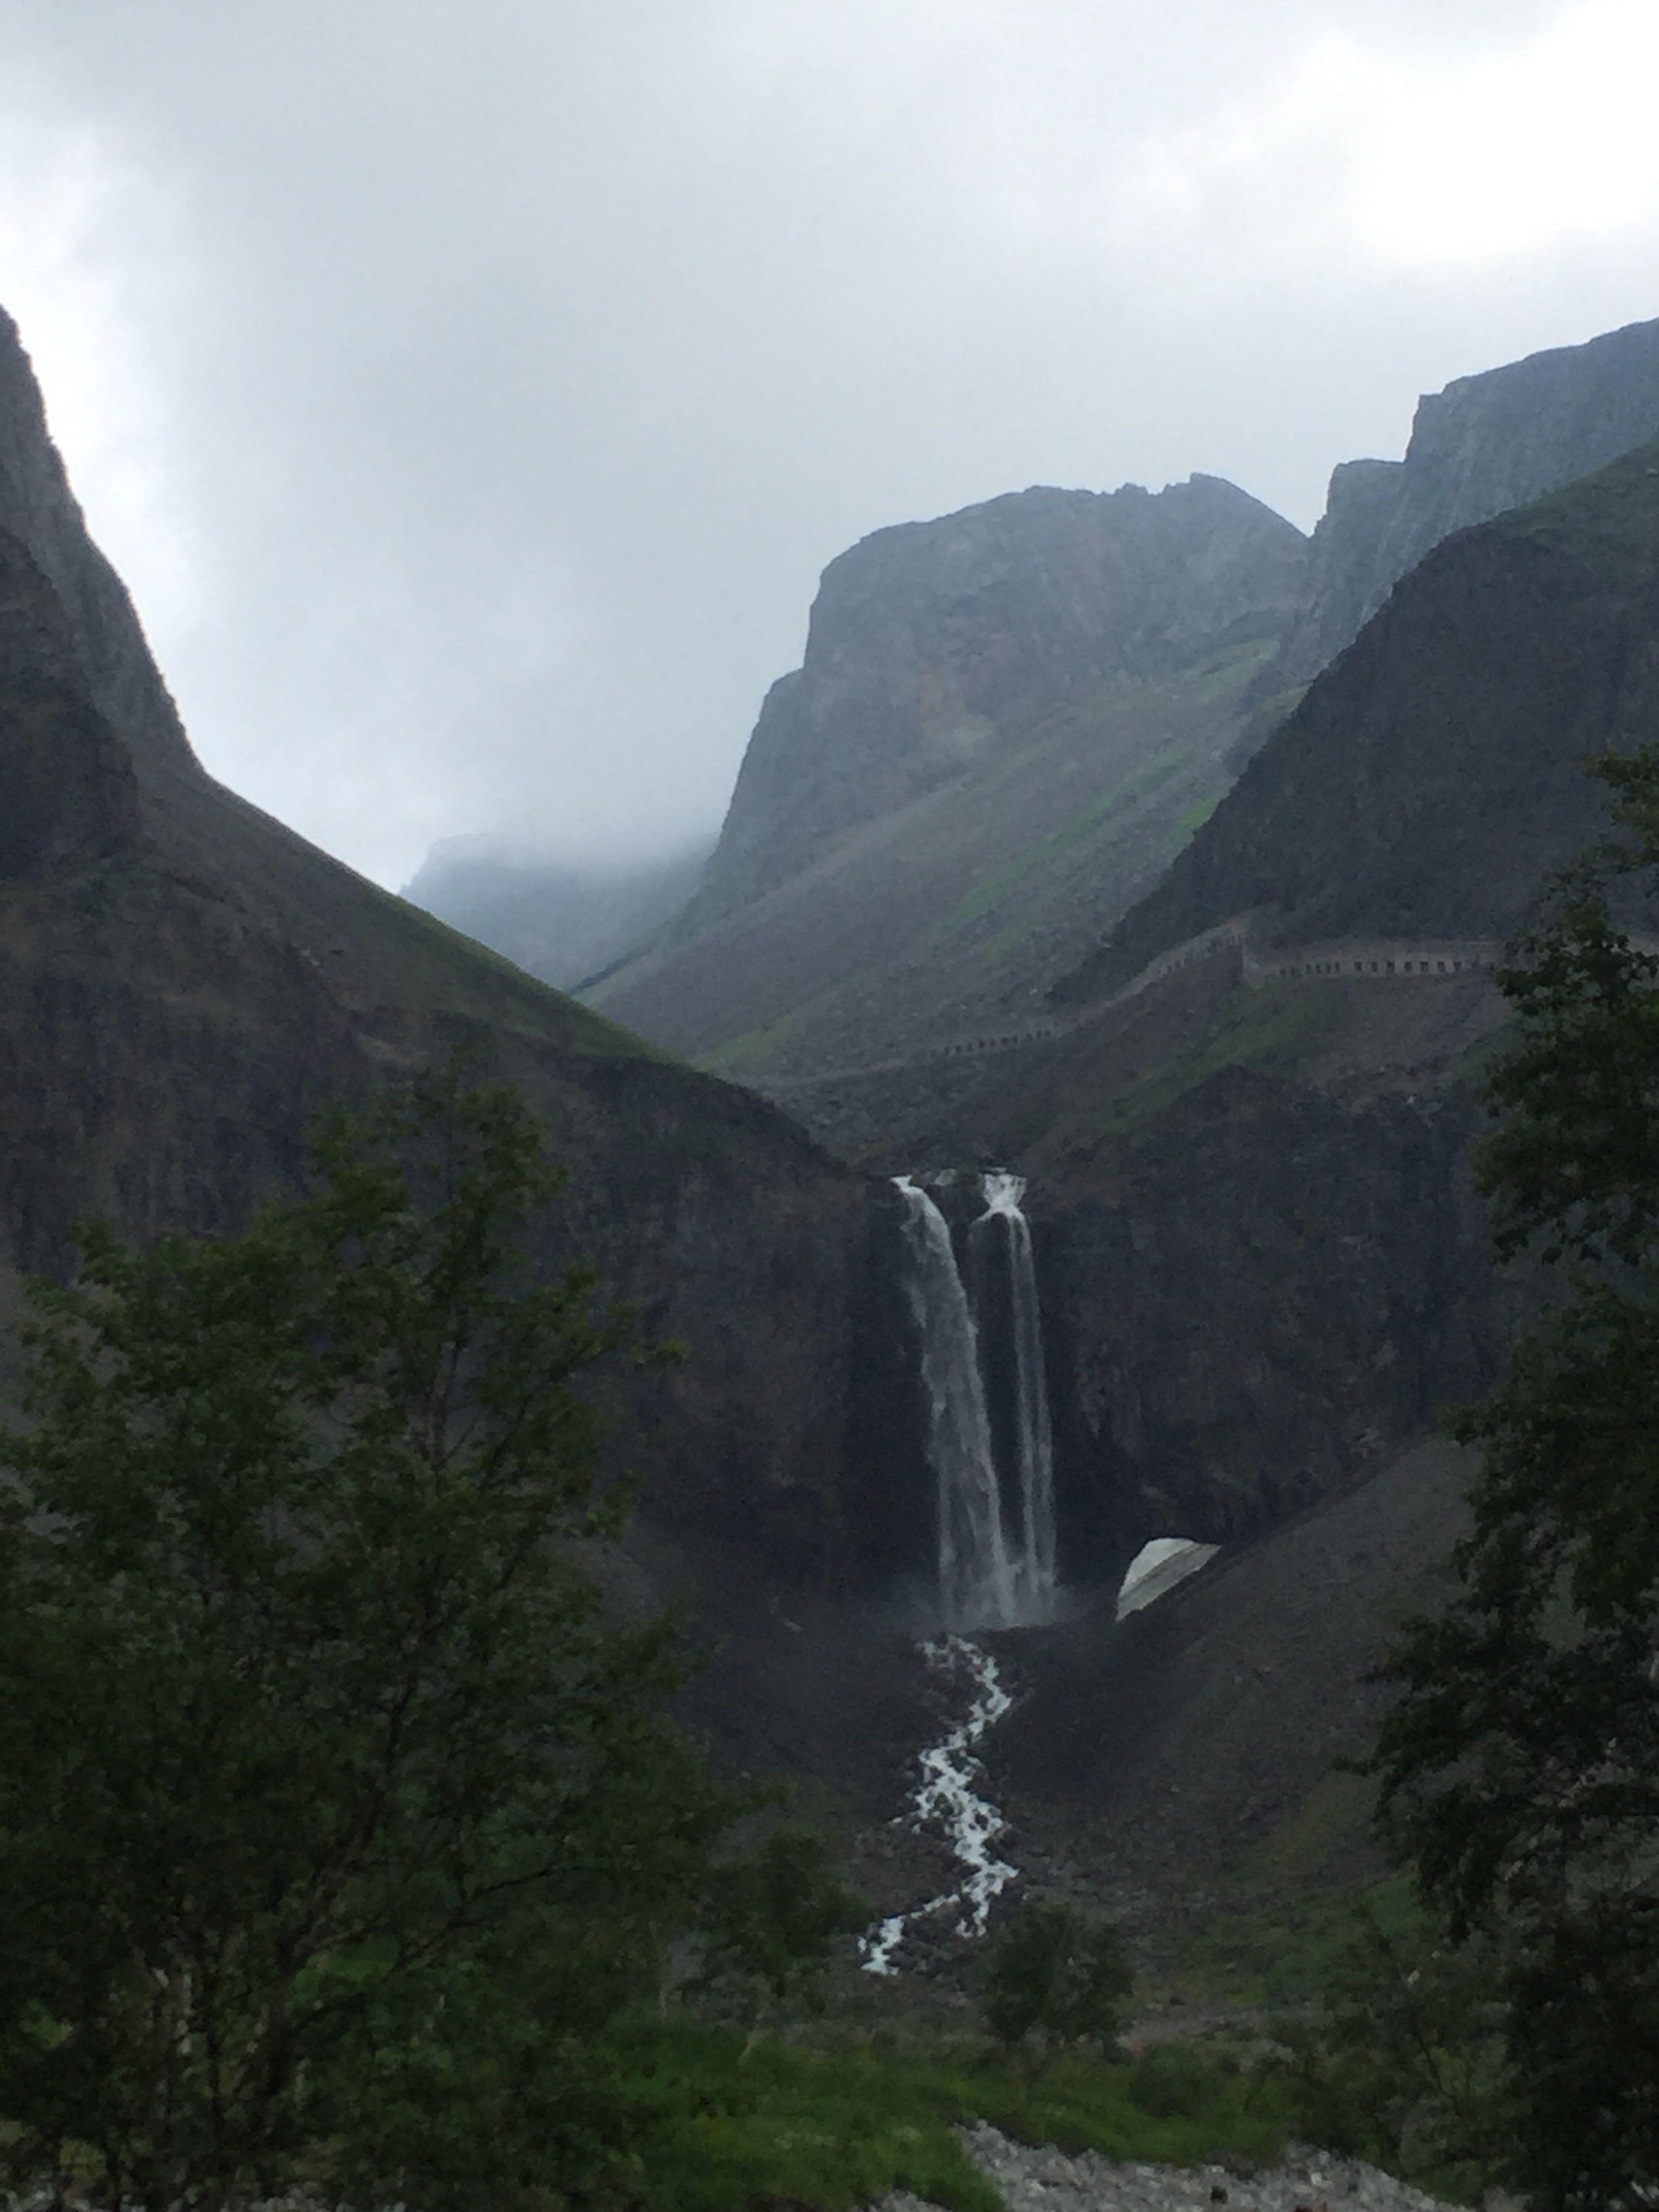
(771, 1917)
(334, 1813)
(1399, 2064)
(1519, 1768)
(1056, 1974)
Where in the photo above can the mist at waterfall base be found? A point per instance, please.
(994, 1481)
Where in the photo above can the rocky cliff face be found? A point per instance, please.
(1274, 1288)
(1485, 444)
(68, 792)
(1433, 775)
(1005, 722)
(183, 983)
(934, 643)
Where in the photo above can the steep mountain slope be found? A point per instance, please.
(1265, 1270)
(556, 919)
(1251, 1177)
(1431, 776)
(1485, 444)
(1262, 1267)
(1004, 721)
(1182, 1766)
(184, 981)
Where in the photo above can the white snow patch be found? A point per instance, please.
(1156, 1567)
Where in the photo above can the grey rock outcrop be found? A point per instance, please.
(932, 643)
(1005, 721)
(1041, 2178)
(1485, 444)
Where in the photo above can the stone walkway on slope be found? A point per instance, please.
(1038, 2180)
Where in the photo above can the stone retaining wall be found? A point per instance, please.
(1362, 959)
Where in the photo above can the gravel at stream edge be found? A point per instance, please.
(1047, 2180)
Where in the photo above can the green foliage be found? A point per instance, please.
(1188, 824)
(1520, 1765)
(1182, 2080)
(334, 1814)
(1402, 2063)
(772, 1917)
(1057, 1973)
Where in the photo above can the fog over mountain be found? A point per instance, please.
(472, 398)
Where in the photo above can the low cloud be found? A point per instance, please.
(471, 397)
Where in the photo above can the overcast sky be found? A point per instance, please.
(471, 390)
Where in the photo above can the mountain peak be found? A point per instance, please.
(1485, 444)
(929, 642)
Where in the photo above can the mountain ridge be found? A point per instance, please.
(184, 982)
(1438, 756)
(1484, 443)
(1000, 711)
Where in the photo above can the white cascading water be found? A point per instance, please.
(1034, 1566)
(976, 1581)
(984, 1581)
(945, 1799)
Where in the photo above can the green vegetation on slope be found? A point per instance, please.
(431, 960)
(1141, 783)
(1272, 1030)
(836, 2122)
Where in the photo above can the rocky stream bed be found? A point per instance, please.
(1048, 2180)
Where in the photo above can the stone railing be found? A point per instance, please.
(1372, 959)
(1360, 959)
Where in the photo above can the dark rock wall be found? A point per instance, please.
(1279, 1287)
(68, 793)
(1432, 776)
(40, 509)
(183, 983)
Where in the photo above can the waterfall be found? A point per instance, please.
(976, 1582)
(996, 1529)
(1034, 1451)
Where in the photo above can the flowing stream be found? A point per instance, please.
(946, 1802)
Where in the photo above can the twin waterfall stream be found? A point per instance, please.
(996, 1523)
(996, 1535)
